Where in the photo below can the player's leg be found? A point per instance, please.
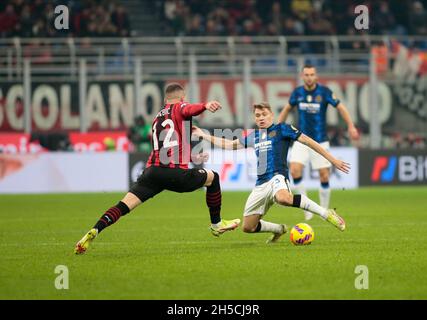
(213, 201)
(320, 163)
(257, 205)
(324, 190)
(188, 180)
(129, 202)
(253, 224)
(109, 217)
(213, 196)
(299, 157)
(285, 198)
(297, 170)
(141, 191)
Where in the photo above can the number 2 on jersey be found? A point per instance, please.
(167, 143)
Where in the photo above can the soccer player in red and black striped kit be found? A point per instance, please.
(167, 167)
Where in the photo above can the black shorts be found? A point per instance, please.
(154, 180)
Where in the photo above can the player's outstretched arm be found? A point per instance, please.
(339, 164)
(284, 113)
(192, 110)
(213, 106)
(352, 130)
(220, 142)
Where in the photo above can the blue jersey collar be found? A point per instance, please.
(271, 127)
(317, 85)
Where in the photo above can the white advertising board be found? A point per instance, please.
(64, 172)
(237, 169)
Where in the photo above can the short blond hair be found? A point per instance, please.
(262, 105)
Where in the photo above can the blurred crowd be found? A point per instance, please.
(291, 17)
(409, 140)
(390, 140)
(108, 18)
(88, 18)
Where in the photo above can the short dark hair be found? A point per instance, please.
(308, 66)
(262, 105)
(173, 87)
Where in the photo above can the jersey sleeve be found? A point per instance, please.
(191, 110)
(289, 131)
(248, 140)
(331, 98)
(293, 99)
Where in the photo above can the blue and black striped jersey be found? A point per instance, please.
(271, 147)
(312, 107)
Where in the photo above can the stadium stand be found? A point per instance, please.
(26, 18)
(109, 34)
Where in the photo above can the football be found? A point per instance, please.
(302, 234)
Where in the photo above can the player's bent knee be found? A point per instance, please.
(324, 175)
(296, 171)
(131, 201)
(248, 228)
(211, 176)
(250, 223)
(284, 198)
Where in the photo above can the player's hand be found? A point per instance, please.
(341, 165)
(213, 106)
(197, 131)
(199, 158)
(353, 133)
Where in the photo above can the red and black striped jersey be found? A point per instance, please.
(171, 135)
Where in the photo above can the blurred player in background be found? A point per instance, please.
(167, 167)
(140, 135)
(271, 142)
(312, 100)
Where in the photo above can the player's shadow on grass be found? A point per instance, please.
(192, 248)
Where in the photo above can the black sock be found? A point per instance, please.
(297, 201)
(324, 185)
(213, 199)
(258, 227)
(111, 216)
(297, 180)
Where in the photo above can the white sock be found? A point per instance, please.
(324, 196)
(313, 207)
(270, 227)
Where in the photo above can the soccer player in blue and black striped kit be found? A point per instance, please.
(271, 142)
(312, 100)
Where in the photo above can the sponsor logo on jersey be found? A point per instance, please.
(309, 107)
(263, 146)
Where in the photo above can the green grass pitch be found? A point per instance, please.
(163, 250)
